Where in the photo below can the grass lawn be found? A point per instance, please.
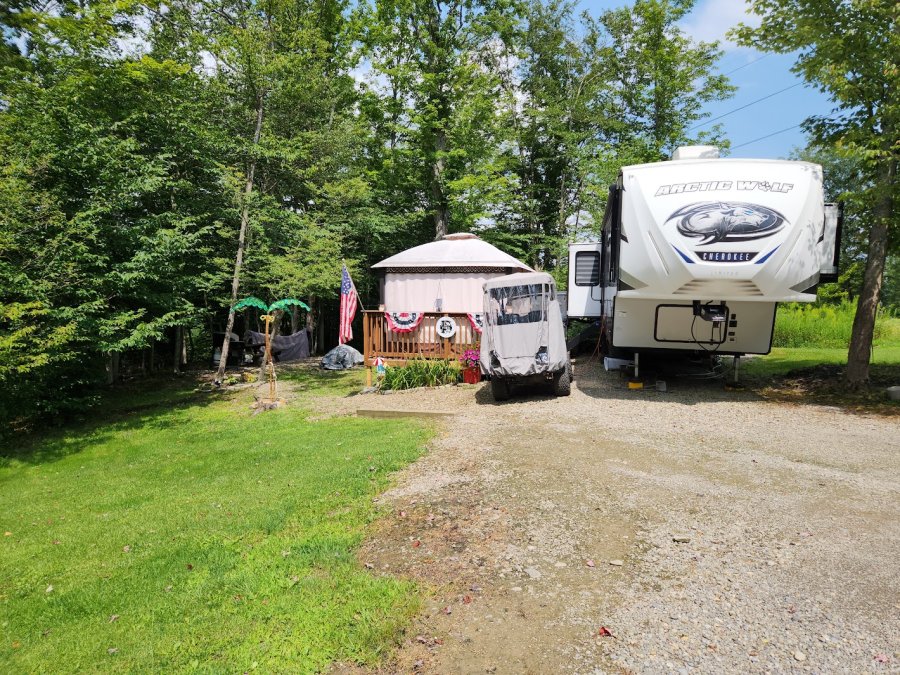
(785, 359)
(814, 374)
(180, 532)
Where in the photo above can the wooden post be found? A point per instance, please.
(270, 365)
(367, 348)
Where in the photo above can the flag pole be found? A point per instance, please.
(358, 298)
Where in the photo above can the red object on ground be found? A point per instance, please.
(472, 375)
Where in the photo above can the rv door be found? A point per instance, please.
(829, 244)
(584, 281)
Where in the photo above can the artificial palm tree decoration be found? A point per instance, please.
(268, 315)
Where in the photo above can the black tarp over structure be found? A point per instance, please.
(285, 348)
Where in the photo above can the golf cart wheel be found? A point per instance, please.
(499, 388)
(563, 381)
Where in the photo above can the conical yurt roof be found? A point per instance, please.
(454, 250)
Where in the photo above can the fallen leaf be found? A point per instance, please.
(126, 549)
(168, 589)
(590, 563)
(417, 543)
(7, 534)
(791, 609)
(605, 632)
(403, 514)
(112, 650)
(113, 618)
(190, 567)
(56, 542)
(16, 644)
(467, 600)
(438, 641)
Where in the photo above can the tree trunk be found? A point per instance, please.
(178, 353)
(439, 198)
(311, 325)
(112, 368)
(867, 306)
(320, 330)
(242, 239)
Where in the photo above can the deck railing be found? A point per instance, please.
(422, 343)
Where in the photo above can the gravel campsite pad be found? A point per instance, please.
(693, 530)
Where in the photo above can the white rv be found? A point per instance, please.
(696, 252)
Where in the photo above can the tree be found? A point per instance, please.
(102, 183)
(438, 98)
(592, 96)
(849, 49)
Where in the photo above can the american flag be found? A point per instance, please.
(349, 300)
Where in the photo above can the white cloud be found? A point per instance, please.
(712, 19)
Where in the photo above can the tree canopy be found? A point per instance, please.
(162, 159)
(849, 49)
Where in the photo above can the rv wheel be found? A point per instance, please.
(563, 381)
(499, 388)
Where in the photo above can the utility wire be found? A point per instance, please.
(749, 63)
(759, 100)
(774, 133)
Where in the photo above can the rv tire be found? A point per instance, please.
(500, 388)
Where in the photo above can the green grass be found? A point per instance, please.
(813, 325)
(221, 541)
(885, 353)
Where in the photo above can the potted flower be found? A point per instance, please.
(471, 371)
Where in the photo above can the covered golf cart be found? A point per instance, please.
(524, 341)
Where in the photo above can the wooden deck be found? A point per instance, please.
(422, 343)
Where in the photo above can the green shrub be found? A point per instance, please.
(815, 325)
(421, 373)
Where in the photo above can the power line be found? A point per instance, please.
(749, 63)
(759, 100)
(774, 133)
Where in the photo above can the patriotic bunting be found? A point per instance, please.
(404, 322)
(477, 321)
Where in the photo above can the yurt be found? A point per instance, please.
(443, 276)
(432, 297)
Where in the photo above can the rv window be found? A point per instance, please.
(517, 304)
(587, 268)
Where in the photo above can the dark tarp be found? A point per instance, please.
(341, 358)
(284, 347)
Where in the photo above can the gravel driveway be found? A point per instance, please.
(697, 530)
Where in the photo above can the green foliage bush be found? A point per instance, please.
(421, 373)
(815, 325)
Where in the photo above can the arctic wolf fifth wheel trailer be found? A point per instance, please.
(696, 253)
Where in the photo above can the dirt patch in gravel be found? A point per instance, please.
(706, 530)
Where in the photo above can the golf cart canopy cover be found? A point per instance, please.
(523, 332)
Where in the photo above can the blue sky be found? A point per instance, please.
(757, 77)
